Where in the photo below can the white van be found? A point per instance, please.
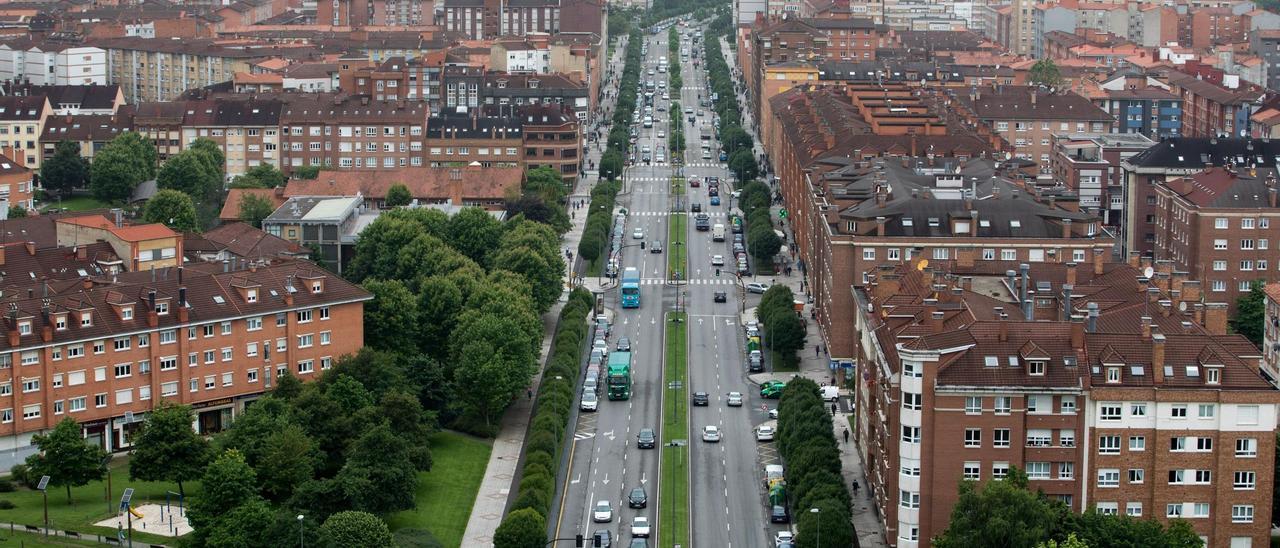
(830, 393)
(717, 232)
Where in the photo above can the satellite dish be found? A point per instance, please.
(923, 264)
(1147, 272)
(1182, 306)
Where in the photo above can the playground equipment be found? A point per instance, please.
(135, 512)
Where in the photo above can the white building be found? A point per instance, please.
(51, 63)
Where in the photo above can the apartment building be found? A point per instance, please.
(794, 41)
(162, 69)
(71, 99)
(90, 131)
(1271, 334)
(416, 79)
(1214, 103)
(246, 128)
(1216, 224)
(350, 132)
(552, 138)
(1175, 158)
(22, 120)
(161, 123)
(362, 13)
(52, 62)
(1141, 104)
(203, 335)
(1088, 164)
(1028, 116)
(1089, 379)
(16, 186)
(462, 186)
(1265, 43)
(327, 224)
(490, 19)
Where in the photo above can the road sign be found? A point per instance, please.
(782, 213)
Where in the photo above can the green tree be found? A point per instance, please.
(735, 138)
(66, 170)
(1001, 513)
(786, 336)
(66, 457)
(524, 528)
(17, 212)
(289, 460)
(189, 172)
(1070, 542)
(255, 208)
(743, 164)
(306, 172)
(241, 527)
(763, 243)
(228, 482)
(172, 209)
(384, 460)
(1045, 73)
(118, 168)
(393, 310)
(1106, 531)
(211, 155)
(488, 380)
(542, 276)
(1251, 313)
(168, 448)
(398, 195)
(260, 176)
(611, 164)
(356, 530)
(474, 233)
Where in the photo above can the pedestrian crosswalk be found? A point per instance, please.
(727, 279)
(668, 213)
(716, 165)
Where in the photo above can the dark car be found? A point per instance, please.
(700, 399)
(721, 297)
(639, 543)
(646, 439)
(624, 344)
(602, 538)
(779, 515)
(696, 207)
(638, 498)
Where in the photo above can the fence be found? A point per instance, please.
(59, 533)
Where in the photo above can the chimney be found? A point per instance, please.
(881, 196)
(1176, 279)
(1077, 332)
(935, 321)
(1027, 310)
(1188, 327)
(31, 248)
(1153, 294)
(927, 279)
(1191, 291)
(1004, 327)
(1099, 255)
(2, 254)
(1215, 318)
(973, 223)
(82, 252)
(1092, 325)
(1162, 281)
(1025, 270)
(886, 286)
(1033, 96)
(880, 226)
(1066, 229)
(1071, 273)
(1271, 196)
(966, 282)
(1157, 357)
(1146, 327)
(1197, 314)
(1066, 301)
(182, 300)
(1147, 262)
(1134, 257)
(1166, 307)
(86, 283)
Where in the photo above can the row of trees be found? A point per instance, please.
(763, 242)
(674, 82)
(619, 139)
(784, 329)
(675, 139)
(1008, 513)
(808, 447)
(736, 141)
(526, 524)
(595, 235)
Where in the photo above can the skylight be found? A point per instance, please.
(218, 299)
(991, 361)
(1193, 371)
(1015, 223)
(1136, 370)
(1013, 361)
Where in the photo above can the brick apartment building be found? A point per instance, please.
(1271, 334)
(1089, 165)
(363, 13)
(16, 186)
(90, 131)
(90, 321)
(1028, 117)
(1216, 224)
(529, 136)
(1174, 158)
(350, 132)
(22, 120)
(1214, 103)
(809, 41)
(246, 128)
(490, 19)
(1097, 386)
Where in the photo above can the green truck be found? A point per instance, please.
(618, 376)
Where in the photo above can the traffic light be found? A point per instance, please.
(717, 272)
(577, 540)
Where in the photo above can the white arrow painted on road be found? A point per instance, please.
(728, 322)
(653, 321)
(625, 321)
(644, 478)
(577, 479)
(605, 480)
(699, 321)
(609, 435)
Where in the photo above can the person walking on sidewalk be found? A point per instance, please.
(846, 434)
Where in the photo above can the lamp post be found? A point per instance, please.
(815, 511)
(301, 539)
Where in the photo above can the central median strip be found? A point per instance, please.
(673, 495)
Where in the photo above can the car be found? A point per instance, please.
(640, 526)
(713, 191)
(695, 207)
(651, 72)
(600, 344)
(757, 287)
(646, 158)
(738, 247)
(655, 246)
(700, 113)
(661, 108)
(662, 157)
(603, 512)
(693, 182)
(778, 514)
(754, 362)
(764, 433)
(773, 413)
(688, 110)
(721, 297)
(602, 538)
(639, 543)
(752, 331)
(735, 399)
(646, 149)
(638, 498)
(772, 389)
(711, 433)
(590, 402)
(662, 135)
(638, 234)
(706, 154)
(624, 344)
(646, 438)
(715, 200)
(717, 260)
(783, 537)
(700, 399)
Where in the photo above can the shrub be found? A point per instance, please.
(6, 504)
(6, 485)
(541, 440)
(534, 499)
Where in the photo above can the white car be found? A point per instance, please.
(603, 512)
(662, 135)
(710, 433)
(735, 399)
(640, 526)
(783, 537)
(638, 234)
(773, 413)
(764, 433)
(717, 260)
(757, 287)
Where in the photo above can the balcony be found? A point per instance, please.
(1055, 453)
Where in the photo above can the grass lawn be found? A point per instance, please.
(673, 498)
(447, 493)
(88, 504)
(77, 203)
(33, 540)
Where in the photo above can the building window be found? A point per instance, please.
(1242, 513)
(1038, 470)
(1178, 411)
(1067, 438)
(1068, 406)
(306, 366)
(1244, 481)
(999, 470)
(1220, 223)
(1107, 508)
(1246, 447)
(911, 402)
(973, 471)
(1108, 477)
(1138, 409)
(1133, 509)
(1113, 374)
(1003, 405)
(868, 254)
(911, 434)
(1137, 443)
(1001, 437)
(972, 437)
(908, 499)
(123, 370)
(973, 405)
(1109, 412)
(1177, 444)
(1109, 445)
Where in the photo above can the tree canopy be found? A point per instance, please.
(260, 176)
(398, 195)
(167, 448)
(66, 457)
(173, 209)
(255, 208)
(125, 161)
(1250, 317)
(66, 170)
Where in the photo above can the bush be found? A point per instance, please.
(475, 426)
(416, 538)
(6, 504)
(22, 474)
(6, 485)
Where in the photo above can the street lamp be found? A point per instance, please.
(301, 541)
(815, 511)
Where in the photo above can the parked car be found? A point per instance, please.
(772, 389)
(603, 512)
(783, 537)
(646, 438)
(757, 287)
(590, 402)
(640, 526)
(764, 433)
(778, 514)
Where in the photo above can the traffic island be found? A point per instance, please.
(673, 490)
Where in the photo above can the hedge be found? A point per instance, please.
(809, 449)
(550, 422)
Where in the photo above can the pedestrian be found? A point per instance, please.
(815, 350)
(530, 393)
(833, 409)
(846, 434)
(855, 488)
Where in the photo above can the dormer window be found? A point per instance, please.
(1113, 374)
(86, 319)
(24, 327)
(317, 286)
(1035, 367)
(60, 322)
(1212, 375)
(162, 309)
(126, 313)
(251, 295)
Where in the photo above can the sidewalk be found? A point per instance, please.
(500, 474)
(814, 366)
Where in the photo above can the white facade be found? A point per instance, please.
(311, 85)
(73, 66)
(528, 60)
